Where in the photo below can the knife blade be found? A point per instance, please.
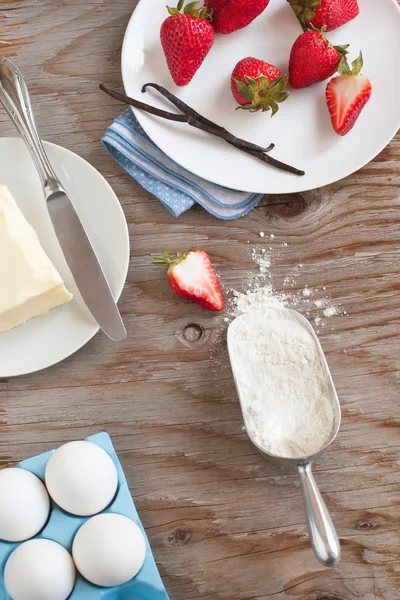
(85, 266)
(76, 246)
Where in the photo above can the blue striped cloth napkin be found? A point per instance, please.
(174, 186)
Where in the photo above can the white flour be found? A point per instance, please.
(308, 416)
(330, 311)
(259, 293)
(281, 382)
(262, 297)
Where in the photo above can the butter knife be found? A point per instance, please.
(75, 244)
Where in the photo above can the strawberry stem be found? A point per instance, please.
(261, 93)
(191, 9)
(356, 65)
(167, 259)
(305, 11)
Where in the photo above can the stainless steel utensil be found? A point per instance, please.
(322, 532)
(76, 246)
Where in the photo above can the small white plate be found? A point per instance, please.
(301, 130)
(46, 340)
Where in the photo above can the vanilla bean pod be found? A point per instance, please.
(272, 161)
(256, 153)
(203, 125)
(143, 106)
(190, 112)
(190, 117)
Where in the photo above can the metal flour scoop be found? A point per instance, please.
(322, 532)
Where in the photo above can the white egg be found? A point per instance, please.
(39, 570)
(81, 478)
(109, 550)
(24, 505)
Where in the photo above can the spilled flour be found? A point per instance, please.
(259, 293)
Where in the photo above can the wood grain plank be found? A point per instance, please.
(224, 523)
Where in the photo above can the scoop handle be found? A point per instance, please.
(323, 536)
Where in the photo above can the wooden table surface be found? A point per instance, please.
(223, 522)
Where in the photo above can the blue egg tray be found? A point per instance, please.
(62, 527)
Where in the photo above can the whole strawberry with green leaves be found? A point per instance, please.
(258, 85)
(186, 38)
(330, 14)
(313, 59)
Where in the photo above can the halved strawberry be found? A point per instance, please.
(347, 95)
(192, 276)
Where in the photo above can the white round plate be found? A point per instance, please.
(301, 130)
(46, 340)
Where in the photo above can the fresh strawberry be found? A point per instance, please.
(329, 14)
(347, 95)
(230, 15)
(192, 276)
(313, 59)
(257, 85)
(186, 38)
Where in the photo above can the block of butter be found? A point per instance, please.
(30, 285)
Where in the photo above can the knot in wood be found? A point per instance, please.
(193, 332)
(290, 205)
(181, 535)
(364, 525)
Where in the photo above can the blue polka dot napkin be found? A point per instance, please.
(174, 186)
